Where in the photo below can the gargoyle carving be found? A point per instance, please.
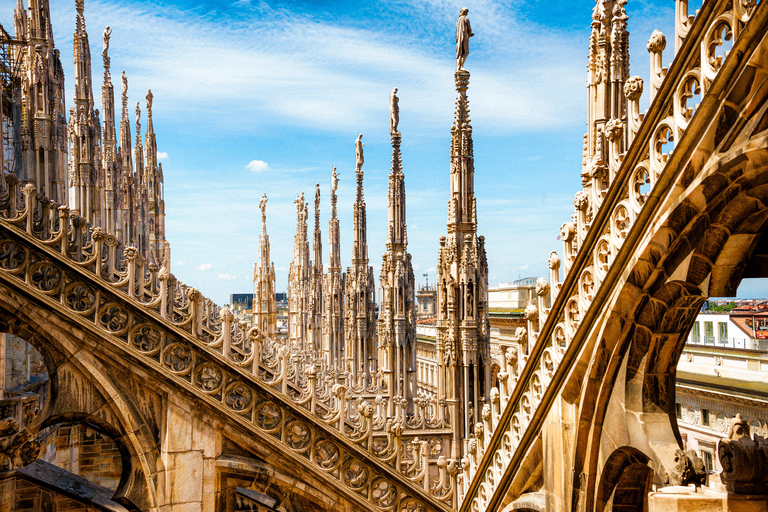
(17, 449)
(744, 460)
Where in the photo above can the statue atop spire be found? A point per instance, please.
(149, 104)
(263, 208)
(359, 155)
(125, 93)
(360, 290)
(397, 313)
(264, 301)
(463, 343)
(334, 187)
(394, 111)
(463, 33)
(299, 282)
(333, 290)
(138, 118)
(105, 45)
(315, 320)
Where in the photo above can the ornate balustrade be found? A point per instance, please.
(593, 242)
(350, 433)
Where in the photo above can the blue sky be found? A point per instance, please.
(290, 85)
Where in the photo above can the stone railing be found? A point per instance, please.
(341, 426)
(592, 246)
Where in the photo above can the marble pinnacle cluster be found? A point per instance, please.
(80, 162)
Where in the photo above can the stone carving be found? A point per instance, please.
(657, 42)
(463, 33)
(105, 45)
(359, 153)
(633, 88)
(688, 469)
(394, 111)
(263, 206)
(744, 460)
(17, 449)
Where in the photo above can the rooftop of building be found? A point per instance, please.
(506, 311)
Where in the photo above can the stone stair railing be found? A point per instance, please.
(592, 247)
(348, 433)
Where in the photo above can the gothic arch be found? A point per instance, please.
(66, 350)
(627, 471)
(701, 246)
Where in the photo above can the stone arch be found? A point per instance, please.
(703, 246)
(104, 428)
(67, 349)
(624, 481)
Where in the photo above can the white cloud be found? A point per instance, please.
(227, 277)
(293, 57)
(524, 267)
(162, 155)
(180, 263)
(257, 165)
(204, 266)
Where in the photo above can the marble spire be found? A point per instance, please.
(264, 300)
(360, 328)
(397, 313)
(462, 273)
(333, 291)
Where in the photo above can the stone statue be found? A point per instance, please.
(263, 205)
(463, 33)
(334, 181)
(394, 111)
(744, 461)
(125, 85)
(105, 44)
(359, 153)
(688, 469)
(149, 100)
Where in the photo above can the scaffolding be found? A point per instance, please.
(11, 53)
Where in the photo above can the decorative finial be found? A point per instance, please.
(463, 33)
(657, 42)
(79, 5)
